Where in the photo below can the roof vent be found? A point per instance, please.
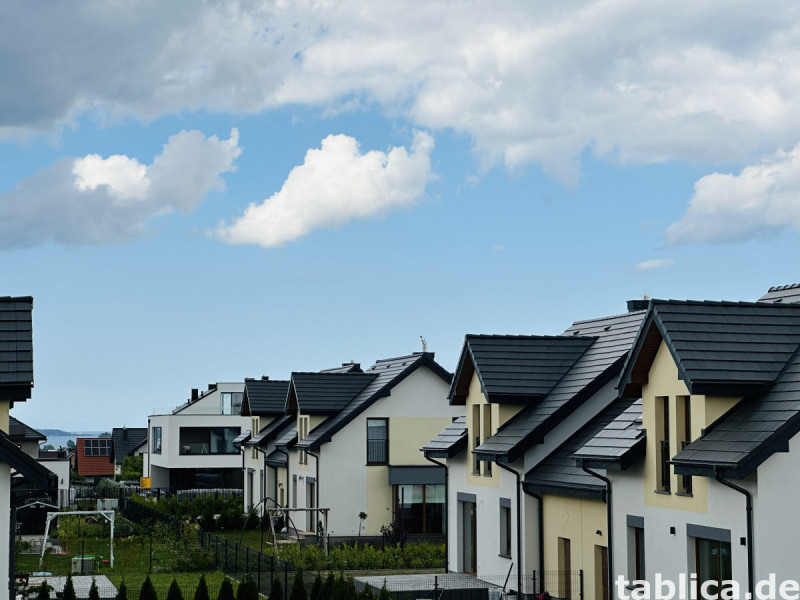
(265, 378)
(194, 395)
(637, 305)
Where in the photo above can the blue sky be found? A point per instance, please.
(207, 192)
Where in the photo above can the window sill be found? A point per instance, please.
(508, 556)
(684, 494)
(488, 475)
(476, 473)
(662, 492)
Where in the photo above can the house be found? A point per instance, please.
(127, 441)
(95, 457)
(524, 398)
(264, 403)
(16, 383)
(703, 469)
(355, 446)
(57, 461)
(193, 445)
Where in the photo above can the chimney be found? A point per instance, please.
(265, 378)
(212, 386)
(636, 305)
(194, 395)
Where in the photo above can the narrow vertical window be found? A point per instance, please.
(684, 425)
(505, 527)
(155, 440)
(377, 441)
(476, 436)
(663, 474)
(638, 554)
(487, 433)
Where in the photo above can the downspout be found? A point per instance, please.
(316, 489)
(540, 503)
(446, 511)
(749, 511)
(519, 524)
(609, 516)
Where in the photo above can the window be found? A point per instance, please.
(208, 440)
(684, 428)
(302, 432)
(420, 507)
(487, 433)
(713, 562)
(663, 483)
(97, 447)
(155, 440)
(505, 527)
(377, 441)
(254, 430)
(231, 403)
(476, 430)
(638, 553)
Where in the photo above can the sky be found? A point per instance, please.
(206, 191)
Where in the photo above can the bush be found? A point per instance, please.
(44, 592)
(226, 590)
(94, 594)
(122, 594)
(201, 593)
(276, 591)
(174, 592)
(248, 589)
(148, 592)
(327, 589)
(69, 590)
(316, 589)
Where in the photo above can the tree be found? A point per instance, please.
(94, 593)
(298, 586)
(174, 592)
(131, 467)
(44, 592)
(70, 444)
(122, 594)
(248, 589)
(201, 593)
(105, 434)
(148, 592)
(276, 591)
(69, 590)
(384, 593)
(316, 589)
(47, 447)
(226, 590)
(327, 589)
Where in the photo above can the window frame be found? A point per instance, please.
(385, 441)
(96, 447)
(156, 439)
(505, 528)
(398, 507)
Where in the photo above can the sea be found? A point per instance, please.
(60, 441)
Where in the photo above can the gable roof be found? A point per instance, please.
(324, 393)
(126, 440)
(16, 348)
(613, 338)
(385, 375)
(449, 442)
(558, 472)
(264, 396)
(744, 437)
(348, 367)
(618, 445)
(789, 294)
(20, 432)
(515, 368)
(271, 431)
(719, 347)
(35, 474)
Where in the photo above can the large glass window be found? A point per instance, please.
(713, 562)
(231, 403)
(208, 440)
(97, 447)
(421, 507)
(155, 440)
(377, 441)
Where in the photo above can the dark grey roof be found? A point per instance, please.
(385, 374)
(719, 347)
(324, 393)
(126, 440)
(264, 397)
(348, 367)
(558, 473)
(450, 442)
(597, 366)
(20, 432)
(271, 431)
(287, 438)
(619, 444)
(515, 368)
(16, 348)
(744, 437)
(277, 459)
(788, 294)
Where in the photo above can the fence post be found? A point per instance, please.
(580, 575)
(435, 586)
(533, 589)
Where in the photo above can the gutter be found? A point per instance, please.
(609, 516)
(540, 503)
(519, 523)
(446, 509)
(749, 512)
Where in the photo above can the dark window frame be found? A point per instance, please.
(94, 447)
(398, 508)
(374, 445)
(156, 440)
(207, 444)
(505, 528)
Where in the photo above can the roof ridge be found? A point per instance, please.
(407, 356)
(780, 288)
(744, 303)
(607, 318)
(523, 336)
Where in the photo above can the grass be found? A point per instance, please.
(161, 581)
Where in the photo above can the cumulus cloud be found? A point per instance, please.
(95, 200)
(656, 263)
(758, 202)
(335, 184)
(527, 82)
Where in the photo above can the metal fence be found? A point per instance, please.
(566, 585)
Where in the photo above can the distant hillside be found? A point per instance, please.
(56, 432)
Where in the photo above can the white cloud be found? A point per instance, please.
(335, 184)
(760, 201)
(94, 200)
(527, 82)
(656, 263)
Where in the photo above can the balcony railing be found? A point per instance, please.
(665, 471)
(377, 451)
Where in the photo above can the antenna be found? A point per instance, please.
(424, 344)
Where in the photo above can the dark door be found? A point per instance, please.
(470, 545)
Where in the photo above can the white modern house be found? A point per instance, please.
(703, 469)
(511, 500)
(193, 445)
(355, 446)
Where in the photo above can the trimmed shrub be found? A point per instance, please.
(174, 592)
(298, 586)
(276, 591)
(69, 590)
(122, 594)
(226, 590)
(148, 592)
(44, 592)
(201, 593)
(248, 589)
(94, 593)
(316, 589)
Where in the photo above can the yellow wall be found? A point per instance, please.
(500, 414)
(577, 520)
(379, 499)
(663, 382)
(408, 434)
(313, 421)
